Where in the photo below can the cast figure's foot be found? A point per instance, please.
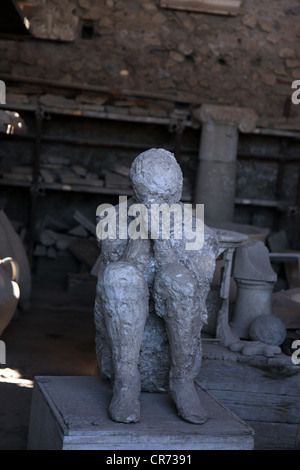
(187, 401)
(125, 404)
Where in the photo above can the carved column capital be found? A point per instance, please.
(244, 119)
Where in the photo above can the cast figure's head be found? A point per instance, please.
(156, 178)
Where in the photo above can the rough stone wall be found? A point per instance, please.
(247, 60)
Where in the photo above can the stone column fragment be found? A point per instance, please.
(215, 185)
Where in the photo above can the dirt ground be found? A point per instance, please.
(55, 337)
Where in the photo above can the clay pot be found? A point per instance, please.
(9, 291)
(11, 246)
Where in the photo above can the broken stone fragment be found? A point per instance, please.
(252, 262)
(255, 280)
(255, 348)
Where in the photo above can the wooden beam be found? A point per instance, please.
(218, 7)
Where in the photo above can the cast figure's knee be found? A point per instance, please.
(122, 272)
(122, 280)
(176, 282)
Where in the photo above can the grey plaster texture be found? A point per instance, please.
(151, 302)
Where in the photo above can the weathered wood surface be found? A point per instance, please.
(264, 392)
(220, 7)
(274, 436)
(238, 376)
(267, 407)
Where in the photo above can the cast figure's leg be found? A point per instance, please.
(124, 294)
(175, 293)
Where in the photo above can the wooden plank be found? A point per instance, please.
(83, 189)
(47, 176)
(233, 375)
(79, 231)
(86, 223)
(266, 396)
(49, 237)
(116, 180)
(267, 407)
(220, 7)
(79, 170)
(76, 181)
(24, 170)
(59, 160)
(122, 170)
(273, 436)
(17, 177)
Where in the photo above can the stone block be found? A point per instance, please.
(70, 413)
(252, 263)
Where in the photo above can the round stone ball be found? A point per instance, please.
(267, 329)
